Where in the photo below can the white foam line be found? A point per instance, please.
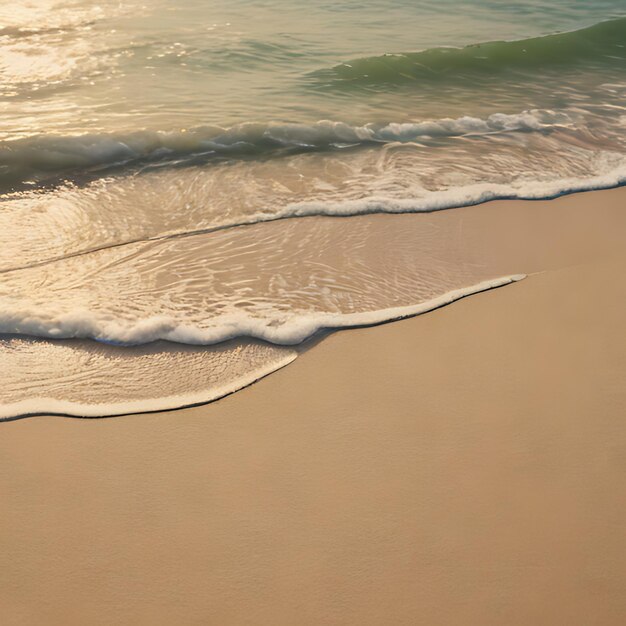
(87, 324)
(52, 406)
(457, 197)
(49, 406)
(373, 318)
(51, 153)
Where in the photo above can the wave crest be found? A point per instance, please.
(37, 159)
(603, 42)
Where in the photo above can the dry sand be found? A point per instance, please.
(466, 467)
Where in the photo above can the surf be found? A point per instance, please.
(27, 162)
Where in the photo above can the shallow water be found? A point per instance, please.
(146, 149)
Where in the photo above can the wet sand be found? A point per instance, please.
(463, 467)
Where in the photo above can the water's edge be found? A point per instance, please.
(51, 406)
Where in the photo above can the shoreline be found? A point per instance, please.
(368, 319)
(471, 244)
(463, 467)
(618, 174)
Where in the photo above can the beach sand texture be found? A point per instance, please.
(464, 467)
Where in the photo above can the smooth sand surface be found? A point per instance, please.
(465, 467)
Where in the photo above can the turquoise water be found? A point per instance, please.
(167, 169)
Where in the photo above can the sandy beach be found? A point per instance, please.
(462, 467)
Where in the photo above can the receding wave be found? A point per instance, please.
(279, 282)
(144, 374)
(424, 202)
(36, 159)
(601, 43)
(89, 325)
(88, 379)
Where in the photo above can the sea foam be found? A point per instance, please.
(292, 330)
(44, 157)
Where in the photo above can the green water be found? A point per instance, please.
(76, 67)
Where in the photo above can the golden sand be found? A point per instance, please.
(466, 467)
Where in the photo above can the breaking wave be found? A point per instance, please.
(40, 158)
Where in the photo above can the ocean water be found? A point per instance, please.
(171, 174)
